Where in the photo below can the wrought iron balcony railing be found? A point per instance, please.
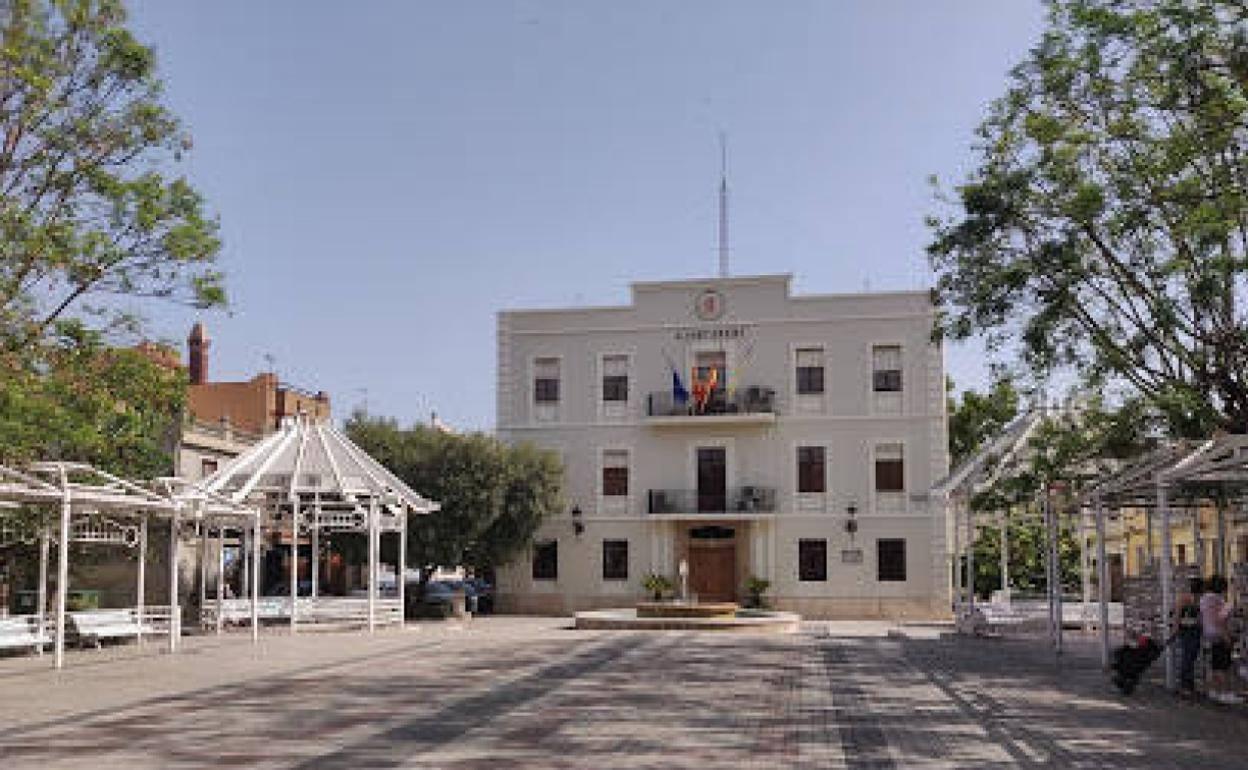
(752, 400)
(745, 499)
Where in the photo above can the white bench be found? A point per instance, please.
(95, 625)
(22, 631)
(323, 610)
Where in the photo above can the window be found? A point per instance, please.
(810, 469)
(546, 560)
(207, 467)
(615, 378)
(706, 361)
(810, 371)
(812, 560)
(546, 380)
(1181, 556)
(615, 560)
(615, 473)
(891, 560)
(890, 471)
(886, 368)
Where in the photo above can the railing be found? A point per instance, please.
(752, 400)
(349, 610)
(745, 499)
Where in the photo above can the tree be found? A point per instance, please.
(979, 417)
(1105, 228)
(86, 209)
(113, 408)
(493, 496)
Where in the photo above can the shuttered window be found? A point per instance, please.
(890, 471)
(812, 560)
(546, 380)
(615, 378)
(810, 371)
(615, 560)
(891, 560)
(615, 473)
(811, 476)
(886, 368)
(546, 560)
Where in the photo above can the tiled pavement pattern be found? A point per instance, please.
(529, 693)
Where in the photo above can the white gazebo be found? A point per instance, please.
(309, 478)
(98, 507)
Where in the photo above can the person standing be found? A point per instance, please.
(1188, 612)
(1213, 616)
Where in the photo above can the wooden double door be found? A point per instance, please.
(713, 570)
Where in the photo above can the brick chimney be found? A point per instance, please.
(197, 345)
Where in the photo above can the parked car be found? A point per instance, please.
(481, 594)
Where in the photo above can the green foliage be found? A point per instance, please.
(978, 418)
(78, 400)
(755, 587)
(493, 496)
(657, 585)
(1027, 543)
(1104, 231)
(86, 209)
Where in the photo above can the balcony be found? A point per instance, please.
(753, 405)
(741, 500)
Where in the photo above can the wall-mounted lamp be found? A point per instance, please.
(851, 524)
(578, 526)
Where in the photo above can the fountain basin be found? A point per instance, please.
(687, 609)
(740, 621)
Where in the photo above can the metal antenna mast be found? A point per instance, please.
(723, 206)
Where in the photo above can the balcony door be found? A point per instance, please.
(712, 479)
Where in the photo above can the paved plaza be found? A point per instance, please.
(528, 692)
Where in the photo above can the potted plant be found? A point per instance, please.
(656, 585)
(755, 587)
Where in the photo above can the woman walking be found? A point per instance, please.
(1188, 611)
(1213, 615)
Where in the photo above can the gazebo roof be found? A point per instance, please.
(88, 488)
(308, 458)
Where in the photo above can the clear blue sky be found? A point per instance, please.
(390, 174)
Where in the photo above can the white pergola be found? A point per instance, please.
(309, 477)
(92, 504)
(1181, 471)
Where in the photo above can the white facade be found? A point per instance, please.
(825, 405)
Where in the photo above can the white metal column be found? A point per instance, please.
(1102, 579)
(255, 580)
(970, 555)
(294, 562)
(957, 558)
(1220, 561)
(1198, 542)
(1005, 558)
(1085, 578)
(1167, 582)
(372, 565)
(316, 549)
(203, 571)
(175, 615)
(403, 569)
(220, 578)
(140, 588)
(42, 596)
(62, 575)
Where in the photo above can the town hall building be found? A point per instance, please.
(742, 430)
